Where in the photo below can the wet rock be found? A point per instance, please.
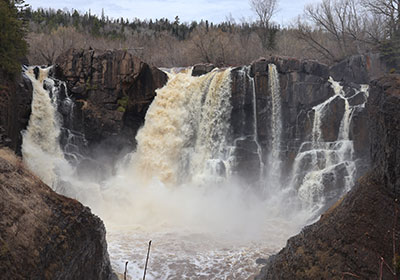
(113, 90)
(44, 235)
(202, 68)
(247, 158)
(303, 85)
(357, 99)
(332, 118)
(357, 232)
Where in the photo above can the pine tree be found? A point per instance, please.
(12, 32)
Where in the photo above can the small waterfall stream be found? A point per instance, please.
(324, 170)
(274, 161)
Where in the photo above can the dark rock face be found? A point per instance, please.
(243, 126)
(354, 235)
(349, 239)
(303, 84)
(359, 69)
(384, 128)
(113, 90)
(202, 68)
(15, 109)
(44, 235)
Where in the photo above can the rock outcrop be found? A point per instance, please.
(349, 241)
(356, 237)
(202, 68)
(303, 84)
(384, 129)
(360, 69)
(113, 90)
(15, 109)
(44, 235)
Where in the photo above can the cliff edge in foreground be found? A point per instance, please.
(44, 235)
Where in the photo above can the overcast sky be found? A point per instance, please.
(212, 10)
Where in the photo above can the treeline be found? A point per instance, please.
(327, 31)
(161, 42)
(47, 20)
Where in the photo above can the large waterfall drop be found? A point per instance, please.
(41, 149)
(186, 128)
(180, 187)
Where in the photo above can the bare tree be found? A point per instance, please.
(387, 14)
(389, 11)
(338, 28)
(265, 9)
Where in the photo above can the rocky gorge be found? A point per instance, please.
(112, 91)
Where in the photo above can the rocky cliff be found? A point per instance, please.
(112, 90)
(44, 235)
(15, 109)
(358, 237)
(384, 128)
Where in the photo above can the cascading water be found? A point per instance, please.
(321, 167)
(274, 160)
(245, 129)
(41, 149)
(176, 188)
(188, 122)
(182, 195)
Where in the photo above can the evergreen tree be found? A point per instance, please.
(12, 32)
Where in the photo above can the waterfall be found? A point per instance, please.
(178, 189)
(41, 149)
(255, 128)
(246, 145)
(322, 170)
(186, 129)
(50, 124)
(274, 160)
